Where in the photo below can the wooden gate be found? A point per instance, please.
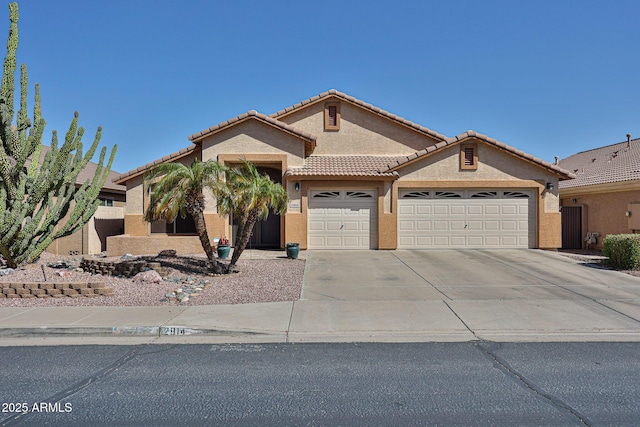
(572, 227)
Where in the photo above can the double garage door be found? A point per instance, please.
(343, 219)
(347, 219)
(466, 219)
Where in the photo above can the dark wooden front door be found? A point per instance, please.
(571, 227)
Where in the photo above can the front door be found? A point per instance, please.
(572, 227)
(265, 233)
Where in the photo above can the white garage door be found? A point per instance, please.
(466, 219)
(343, 219)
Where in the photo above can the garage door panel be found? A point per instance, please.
(407, 225)
(474, 210)
(495, 219)
(441, 210)
(458, 210)
(343, 221)
(441, 225)
(424, 210)
(491, 210)
(458, 225)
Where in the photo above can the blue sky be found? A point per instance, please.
(550, 77)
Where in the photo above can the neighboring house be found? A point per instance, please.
(359, 177)
(107, 221)
(604, 198)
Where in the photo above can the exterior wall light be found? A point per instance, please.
(627, 213)
(297, 186)
(549, 186)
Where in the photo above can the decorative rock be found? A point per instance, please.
(150, 276)
(6, 271)
(127, 257)
(167, 252)
(61, 264)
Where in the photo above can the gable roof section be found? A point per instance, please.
(309, 139)
(343, 96)
(347, 166)
(613, 163)
(406, 160)
(88, 173)
(168, 158)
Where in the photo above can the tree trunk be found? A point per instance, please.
(201, 230)
(243, 237)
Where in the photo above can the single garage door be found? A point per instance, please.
(343, 219)
(466, 219)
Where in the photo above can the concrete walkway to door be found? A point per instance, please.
(502, 295)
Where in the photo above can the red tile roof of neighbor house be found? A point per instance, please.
(89, 172)
(612, 163)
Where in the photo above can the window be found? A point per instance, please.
(469, 156)
(105, 201)
(332, 116)
(178, 226)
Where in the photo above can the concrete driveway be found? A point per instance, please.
(494, 294)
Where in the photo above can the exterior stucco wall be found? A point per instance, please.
(138, 200)
(361, 132)
(494, 165)
(604, 212)
(254, 137)
(146, 245)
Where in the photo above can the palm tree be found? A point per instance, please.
(177, 189)
(249, 196)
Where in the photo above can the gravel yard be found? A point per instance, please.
(259, 280)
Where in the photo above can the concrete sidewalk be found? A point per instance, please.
(407, 297)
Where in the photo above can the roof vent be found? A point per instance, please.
(556, 162)
(628, 140)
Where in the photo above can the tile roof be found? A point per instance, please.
(142, 169)
(344, 166)
(89, 172)
(365, 105)
(491, 141)
(311, 139)
(612, 163)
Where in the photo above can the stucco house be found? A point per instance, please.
(359, 177)
(107, 221)
(604, 197)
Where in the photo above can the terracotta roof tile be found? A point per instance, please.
(344, 166)
(142, 169)
(89, 172)
(341, 95)
(472, 134)
(254, 114)
(612, 163)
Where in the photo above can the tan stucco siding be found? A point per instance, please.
(494, 165)
(135, 196)
(361, 133)
(604, 212)
(254, 137)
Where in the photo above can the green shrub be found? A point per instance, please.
(623, 251)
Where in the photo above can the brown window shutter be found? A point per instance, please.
(333, 116)
(468, 156)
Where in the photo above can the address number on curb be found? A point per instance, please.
(175, 330)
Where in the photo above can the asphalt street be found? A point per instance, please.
(470, 383)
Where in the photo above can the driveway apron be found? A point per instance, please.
(494, 294)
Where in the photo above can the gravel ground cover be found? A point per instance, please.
(259, 280)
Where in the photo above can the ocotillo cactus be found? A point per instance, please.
(39, 201)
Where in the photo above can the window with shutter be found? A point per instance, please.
(332, 116)
(469, 156)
